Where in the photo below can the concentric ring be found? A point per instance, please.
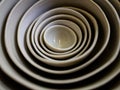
(91, 63)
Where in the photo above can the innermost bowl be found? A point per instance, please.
(59, 38)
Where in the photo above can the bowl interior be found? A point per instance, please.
(59, 38)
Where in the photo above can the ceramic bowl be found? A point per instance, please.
(69, 24)
(59, 38)
(55, 11)
(28, 34)
(65, 63)
(33, 75)
(99, 52)
(103, 45)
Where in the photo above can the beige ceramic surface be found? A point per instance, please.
(58, 16)
(66, 23)
(95, 68)
(59, 38)
(54, 11)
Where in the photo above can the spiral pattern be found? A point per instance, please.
(92, 61)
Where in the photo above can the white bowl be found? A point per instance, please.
(66, 23)
(102, 18)
(59, 38)
(44, 23)
(18, 61)
(64, 55)
(62, 63)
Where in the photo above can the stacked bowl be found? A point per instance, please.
(60, 44)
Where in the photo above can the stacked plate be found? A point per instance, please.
(56, 44)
